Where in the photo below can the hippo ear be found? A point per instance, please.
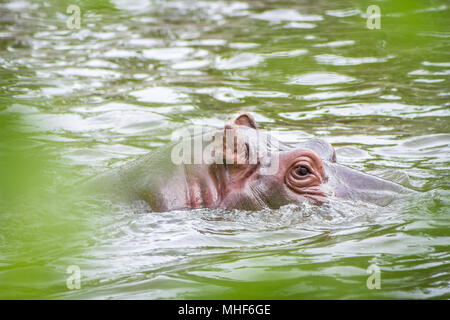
(247, 120)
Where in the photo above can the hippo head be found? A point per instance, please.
(259, 172)
(248, 169)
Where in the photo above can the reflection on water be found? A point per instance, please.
(93, 98)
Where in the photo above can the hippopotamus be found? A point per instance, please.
(249, 171)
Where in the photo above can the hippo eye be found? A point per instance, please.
(302, 171)
(247, 151)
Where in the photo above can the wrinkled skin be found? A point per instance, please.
(306, 171)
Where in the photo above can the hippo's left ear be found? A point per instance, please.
(247, 120)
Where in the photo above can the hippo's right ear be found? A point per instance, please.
(246, 119)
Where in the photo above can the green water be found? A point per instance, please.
(74, 103)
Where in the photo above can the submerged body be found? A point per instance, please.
(253, 175)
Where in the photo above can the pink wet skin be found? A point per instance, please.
(306, 172)
(300, 176)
